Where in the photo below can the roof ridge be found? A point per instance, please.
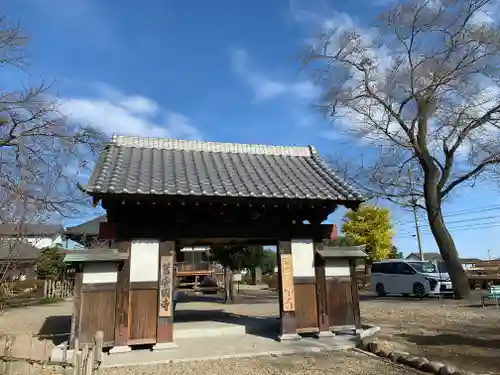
(207, 146)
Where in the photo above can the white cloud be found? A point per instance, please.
(265, 87)
(112, 111)
(316, 16)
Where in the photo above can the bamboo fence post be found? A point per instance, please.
(64, 359)
(2, 362)
(45, 353)
(7, 355)
(76, 355)
(99, 342)
(84, 358)
(89, 366)
(32, 347)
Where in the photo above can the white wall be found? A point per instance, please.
(144, 260)
(98, 273)
(43, 242)
(337, 267)
(303, 258)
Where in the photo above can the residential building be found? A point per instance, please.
(38, 235)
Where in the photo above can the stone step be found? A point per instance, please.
(207, 329)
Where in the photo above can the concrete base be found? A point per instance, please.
(57, 354)
(286, 337)
(214, 348)
(323, 334)
(193, 330)
(368, 331)
(164, 345)
(120, 349)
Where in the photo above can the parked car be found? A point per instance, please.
(418, 278)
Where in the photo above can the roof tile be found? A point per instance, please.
(136, 165)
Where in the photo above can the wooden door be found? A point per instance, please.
(97, 312)
(143, 313)
(340, 301)
(306, 311)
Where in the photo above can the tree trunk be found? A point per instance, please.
(228, 285)
(442, 236)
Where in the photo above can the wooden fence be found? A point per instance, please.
(85, 360)
(58, 288)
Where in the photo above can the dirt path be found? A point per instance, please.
(32, 325)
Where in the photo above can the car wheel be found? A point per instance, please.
(406, 294)
(380, 290)
(419, 290)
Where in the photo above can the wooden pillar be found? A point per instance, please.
(166, 278)
(288, 325)
(77, 306)
(122, 302)
(321, 293)
(355, 294)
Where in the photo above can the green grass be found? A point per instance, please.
(49, 300)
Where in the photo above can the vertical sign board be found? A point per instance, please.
(165, 287)
(287, 282)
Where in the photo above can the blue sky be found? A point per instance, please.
(214, 70)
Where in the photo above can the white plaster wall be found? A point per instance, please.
(41, 242)
(98, 273)
(144, 261)
(303, 258)
(337, 267)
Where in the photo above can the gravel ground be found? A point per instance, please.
(339, 363)
(448, 331)
(458, 333)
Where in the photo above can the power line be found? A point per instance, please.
(474, 219)
(462, 228)
(458, 213)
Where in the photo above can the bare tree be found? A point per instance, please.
(41, 151)
(421, 90)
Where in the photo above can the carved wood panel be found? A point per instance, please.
(287, 282)
(166, 285)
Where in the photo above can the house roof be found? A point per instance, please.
(469, 260)
(15, 249)
(90, 227)
(136, 165)
(95, 255)
(427, 256)
(343, 251)
(30, 230)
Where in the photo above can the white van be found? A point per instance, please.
(416, 278)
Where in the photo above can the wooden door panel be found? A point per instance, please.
(306, 312)
(340, 307)
(143, 315)
(97, 314)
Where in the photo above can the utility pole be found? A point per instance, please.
(415, 216)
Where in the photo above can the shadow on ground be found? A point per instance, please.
(242, 298)
(451, 339)
(266, 326)
(56, 329)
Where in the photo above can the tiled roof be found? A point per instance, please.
(135, 165)
(14, 249)
(90, 227)
(30, 230)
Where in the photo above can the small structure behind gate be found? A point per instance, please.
(94, 304)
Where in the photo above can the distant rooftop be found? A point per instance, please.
(28, 230)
